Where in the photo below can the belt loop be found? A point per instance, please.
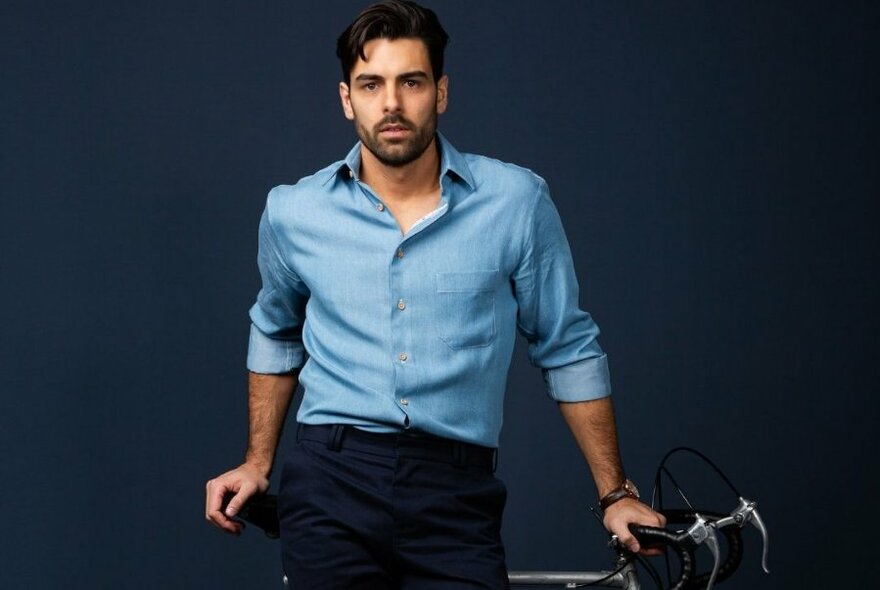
(459, 454)
(299, 429)
(495, 452)
(334, 441)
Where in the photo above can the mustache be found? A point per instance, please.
(393, 120)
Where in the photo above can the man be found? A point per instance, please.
(405, 271)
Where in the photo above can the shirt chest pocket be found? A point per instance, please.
(466, 311)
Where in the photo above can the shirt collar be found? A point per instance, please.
(451, 160)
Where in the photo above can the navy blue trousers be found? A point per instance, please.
(365, 511)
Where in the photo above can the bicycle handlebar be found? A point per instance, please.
(684, 545)
(733, 536)
(656, 537)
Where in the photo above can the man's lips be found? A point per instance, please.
(393, 128)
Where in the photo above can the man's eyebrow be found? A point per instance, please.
(366, 77)
(413, 74)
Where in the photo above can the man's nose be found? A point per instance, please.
(392, 99)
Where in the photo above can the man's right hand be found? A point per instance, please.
(244, 481)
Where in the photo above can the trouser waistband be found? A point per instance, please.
(421, 446)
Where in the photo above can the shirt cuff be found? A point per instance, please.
(271, 356)
(578, 382)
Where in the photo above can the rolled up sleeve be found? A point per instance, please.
(275, 345)
(562, 338)
(271, 355)
(584, 380)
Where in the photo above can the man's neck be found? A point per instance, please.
(400, 183)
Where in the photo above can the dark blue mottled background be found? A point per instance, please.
(712, 163)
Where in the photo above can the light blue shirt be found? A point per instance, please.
(416, 331)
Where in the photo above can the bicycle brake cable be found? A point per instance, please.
(652, 571)
(657, 493)
(701, 456)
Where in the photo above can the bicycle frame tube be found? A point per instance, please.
(625, 579)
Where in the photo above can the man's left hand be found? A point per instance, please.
(622, 513)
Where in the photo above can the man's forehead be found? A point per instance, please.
(393, 55)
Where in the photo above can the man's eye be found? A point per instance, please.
(370, 86)
(411, 83)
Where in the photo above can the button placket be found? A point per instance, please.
(406, 367)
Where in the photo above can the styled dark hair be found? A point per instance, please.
(392, 19)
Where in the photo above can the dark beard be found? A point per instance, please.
(413, 147)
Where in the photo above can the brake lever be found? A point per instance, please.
(747, 512)
(759, 524)
(702, 532)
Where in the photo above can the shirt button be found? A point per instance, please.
(404, 402)
(380, 207)
(401, 304)
(402, 356)
(400, 252)
(350, 173)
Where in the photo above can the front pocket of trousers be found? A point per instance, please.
(467, 308)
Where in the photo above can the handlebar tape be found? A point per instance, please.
(678, 542)
(732, 534)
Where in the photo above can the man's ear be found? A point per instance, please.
(442, 93)
(345, 98)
